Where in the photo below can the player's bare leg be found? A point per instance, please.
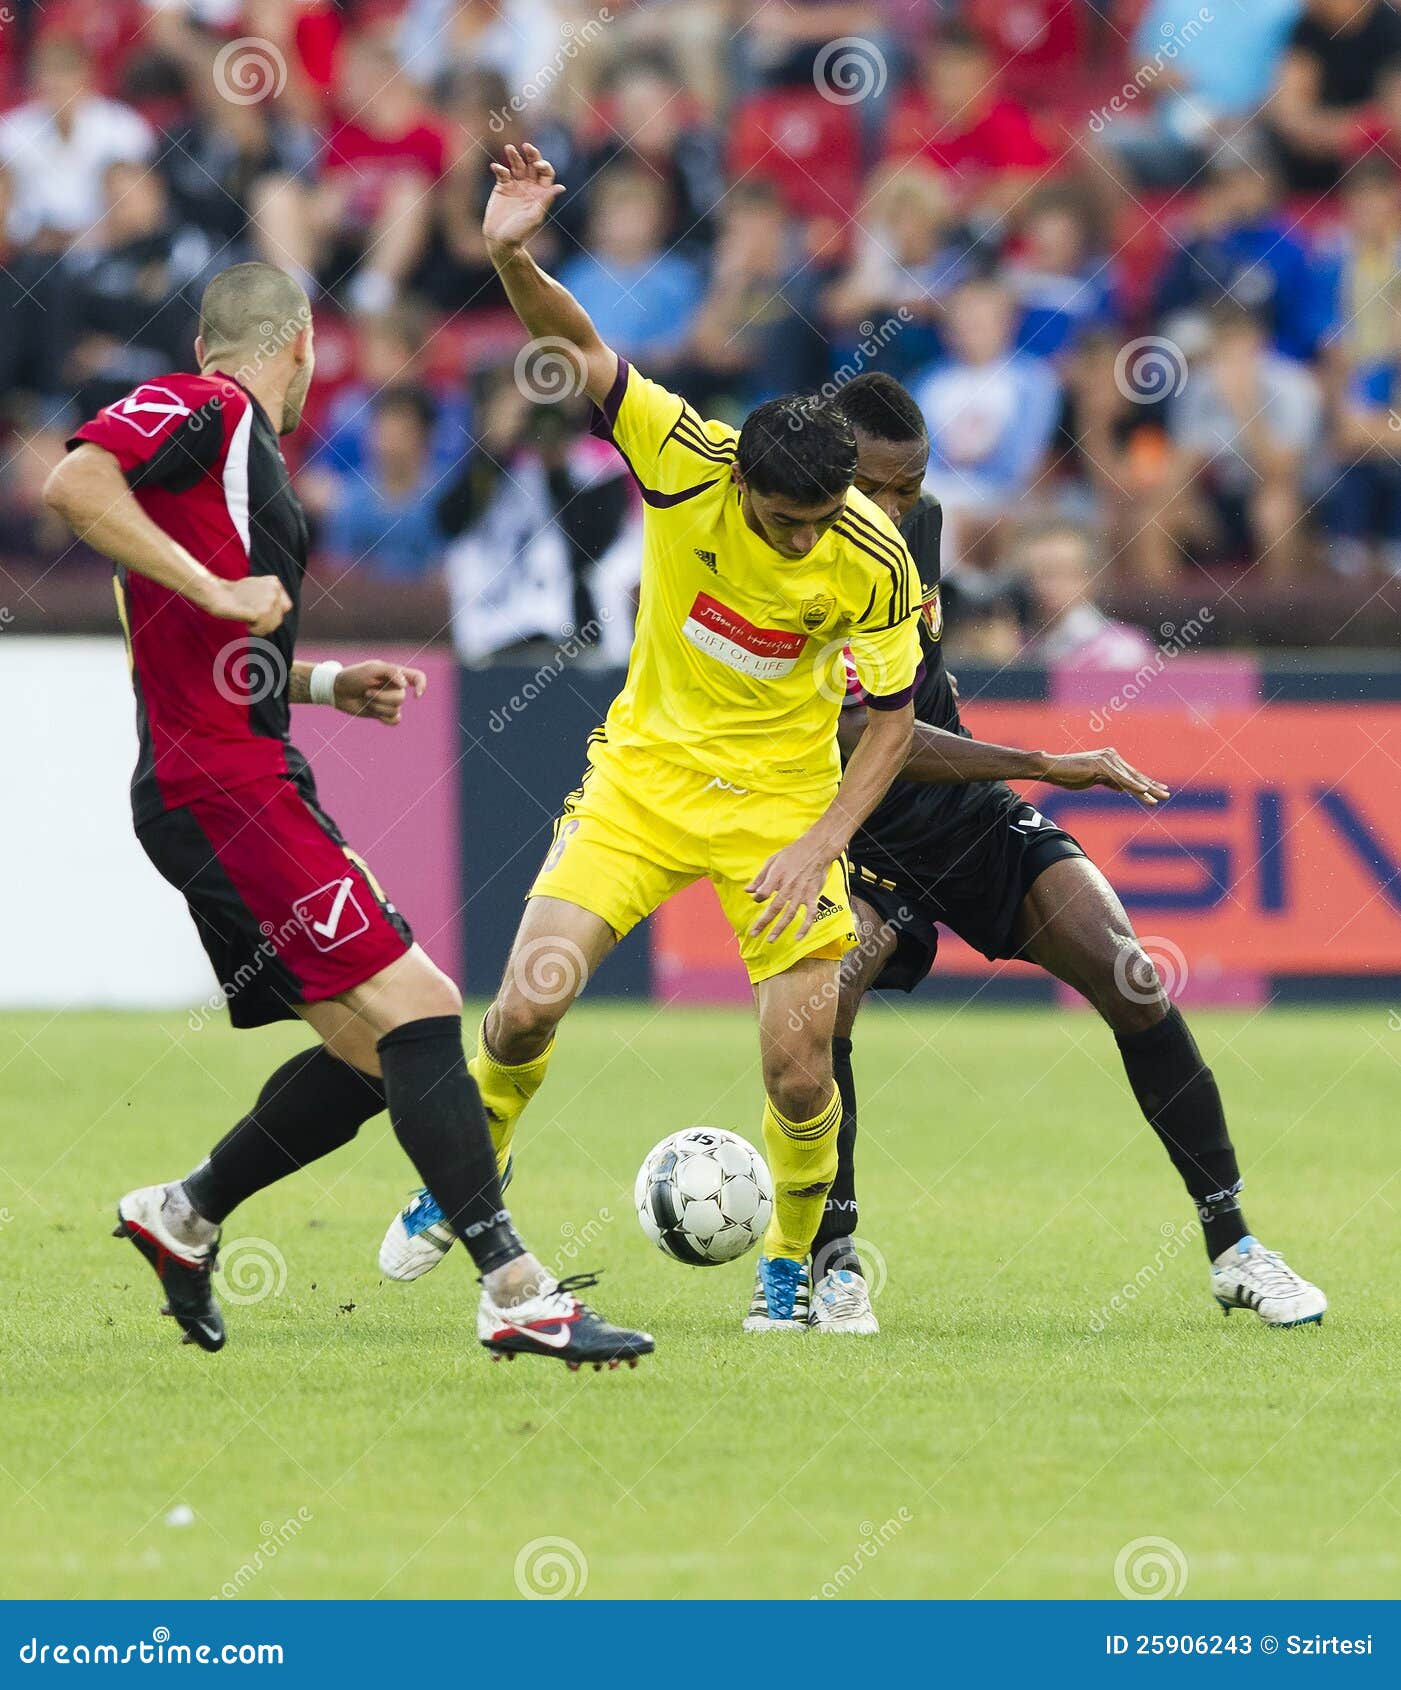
(556, 949)
(797, 1010)
(1073, 924)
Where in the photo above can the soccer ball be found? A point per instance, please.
(704, 1196)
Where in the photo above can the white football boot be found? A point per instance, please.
(417, 1240)
(841, 1302)
(418, 1237)
(1248, 1276)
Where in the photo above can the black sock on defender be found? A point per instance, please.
(839, 1218)
(1177, 1093)
(312, 1105)
(438, 1118)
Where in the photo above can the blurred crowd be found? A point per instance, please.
(1137, 260)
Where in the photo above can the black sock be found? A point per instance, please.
(438, 1116)
(1177, 1093)
(831, 1249)
(312, 1105)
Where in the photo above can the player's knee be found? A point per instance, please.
(520, 1026)
(799, 1080)
(1127, 989)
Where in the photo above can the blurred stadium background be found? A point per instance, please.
(1138, 260)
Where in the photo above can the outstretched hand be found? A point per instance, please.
(1076, 770)
(524, 192)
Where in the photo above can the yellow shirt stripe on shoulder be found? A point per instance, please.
(889, 547)
(689, 432)
(897, 601)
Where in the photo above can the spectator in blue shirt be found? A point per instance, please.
(991, 412)
(642, 298)
(1240, 248)
(382, 520)
(1059, 279)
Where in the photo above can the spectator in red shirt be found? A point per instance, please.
(382, 161)
(961, 123)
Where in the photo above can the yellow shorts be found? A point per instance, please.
(640, 828)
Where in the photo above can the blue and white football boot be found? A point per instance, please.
(1248, 1276)
(418, 1237)
(780, 1300)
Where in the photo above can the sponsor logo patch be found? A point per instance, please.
(331, 914)
(722, 633)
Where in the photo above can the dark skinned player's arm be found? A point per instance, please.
(939, 758)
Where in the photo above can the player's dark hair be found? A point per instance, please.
(797, 448)
(877, 405)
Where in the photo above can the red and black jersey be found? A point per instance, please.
(203, 460)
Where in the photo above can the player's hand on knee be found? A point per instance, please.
(378, 690)
(1076, 770)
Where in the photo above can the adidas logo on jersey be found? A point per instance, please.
(708, 559)
(825, 906)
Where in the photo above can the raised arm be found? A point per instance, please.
(524, 192)
(89, 491)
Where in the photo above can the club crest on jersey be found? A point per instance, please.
(932, 610)
(815, 613)
(148, 409)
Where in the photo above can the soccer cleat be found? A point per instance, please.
(555, 1323)
(780, 1300)
(417, 1240)
(184, 1271)
(419, 1237)
(841, 1302)
(1248, 1276)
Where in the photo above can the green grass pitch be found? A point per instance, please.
(1052, 1382)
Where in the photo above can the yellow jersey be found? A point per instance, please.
(737, 666)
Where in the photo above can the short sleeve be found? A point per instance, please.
(157, 438)
(671, 451)
(887, 663)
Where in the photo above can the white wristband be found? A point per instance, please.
(322, 683)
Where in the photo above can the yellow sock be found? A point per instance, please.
(505, 1091)
(803, 1161)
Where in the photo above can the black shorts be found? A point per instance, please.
(286, 911)
(973, 883)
